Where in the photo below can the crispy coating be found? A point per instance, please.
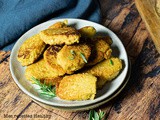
(51, 81)
(50, 57)
(41, 71)
(70, 57)
(100, 50)
(105, 38)
(31, 50)
(59, 24)
(106, 71)
(87, 31)
(77, 87)
(158, 7)
(59, 36)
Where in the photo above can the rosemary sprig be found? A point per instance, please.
(93, 115)
(73, 54)
(111, 62)
(101, 114)
(46, 90)
(83, 57)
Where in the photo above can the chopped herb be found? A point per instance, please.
(73, 54)
(83, 57)
(111, 62)
(93, 115)
(71, 58)
(46, 90)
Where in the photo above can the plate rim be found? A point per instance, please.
(50, 102)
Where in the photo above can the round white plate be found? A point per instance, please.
(17, 70)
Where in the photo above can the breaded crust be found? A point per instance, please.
(77, 87)
(50, 57)
(100, 50)
(59, 24)
(51, 81)
(105, 38)
(31, 50)
(70, 58)
(41, 71)
(87, 31)
(106, 71)
(59, 36)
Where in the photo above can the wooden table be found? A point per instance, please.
(140, 100)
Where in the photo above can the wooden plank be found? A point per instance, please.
(148, 10)
(126, 23)
(85, 115)
(141, 98)
(122, 18)
(144, 105)
(135, 45)
(12, 99)
(37, 112)
(4, 55)
(112, 8)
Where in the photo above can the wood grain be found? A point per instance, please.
(150, 15)
(138, 101)
(141, 98)
(12, 99)
(4, 55)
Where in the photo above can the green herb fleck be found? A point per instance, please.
(73, 54)
(93, 115)
(46, 90)
(71, 58)
(83, 57)
(111, 62)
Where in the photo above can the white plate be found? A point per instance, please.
(17, 70)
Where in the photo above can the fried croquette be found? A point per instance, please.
(87, 31)
(50, 57)
(59, 36)
(74, 57)
(100, 50)
(59, 24)
(31, 50)
(105, 38)
(106, 70)
(41, 71)
(77, 87)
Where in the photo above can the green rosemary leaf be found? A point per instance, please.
(111, 62)
(45, 90)
(101, 114)
(93, 115)
(96, 116)
(83, 57)
(73, 54)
